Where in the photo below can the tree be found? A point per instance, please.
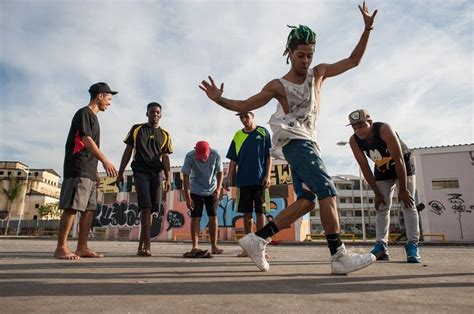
(12, 193)
(50, 210)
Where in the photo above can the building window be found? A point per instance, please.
(9, 173)
(18, 173)
(1, 173)
(357, 200)
(342, 200)
(36, 174)
(444, 184)
(37, 205)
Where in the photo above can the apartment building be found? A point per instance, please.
(352, 199)
(40, 187)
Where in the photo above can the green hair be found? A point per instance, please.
(301, 35)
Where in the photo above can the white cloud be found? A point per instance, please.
(415, 74)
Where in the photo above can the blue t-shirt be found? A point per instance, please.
(202, 174)
(250, 152)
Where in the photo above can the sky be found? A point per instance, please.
(416, 74)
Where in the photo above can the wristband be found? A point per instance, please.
(369, 28)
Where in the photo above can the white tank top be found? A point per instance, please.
(300, 122)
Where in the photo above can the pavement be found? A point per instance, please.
(299, 280)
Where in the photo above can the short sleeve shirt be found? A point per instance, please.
(250, 152)
(149, 145)
(202, 174)
(79, 162)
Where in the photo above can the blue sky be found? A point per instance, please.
(417, 73)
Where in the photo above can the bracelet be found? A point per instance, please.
(369, 28)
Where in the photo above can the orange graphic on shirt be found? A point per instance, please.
(379, 160)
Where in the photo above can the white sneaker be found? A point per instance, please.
(344, 261)
(255, 248)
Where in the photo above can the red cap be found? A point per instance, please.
(202, 150)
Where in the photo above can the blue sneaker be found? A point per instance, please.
(413, 255)
(380, 251)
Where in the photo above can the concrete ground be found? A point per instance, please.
(299, 281)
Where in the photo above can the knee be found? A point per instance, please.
(306, 204)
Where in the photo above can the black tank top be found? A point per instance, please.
(377, 151)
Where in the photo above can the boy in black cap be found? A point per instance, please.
(393, 166)
(78, 191)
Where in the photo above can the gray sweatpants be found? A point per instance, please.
(387, 187)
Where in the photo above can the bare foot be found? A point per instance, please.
(216, 251)
(144, 253)
(88, 253)
(65, 254)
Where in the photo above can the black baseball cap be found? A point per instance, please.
(100, 87)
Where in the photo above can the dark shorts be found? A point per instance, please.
(308, 171)
(250, 197)
(199, 202)
(79, 194)
(149, 190)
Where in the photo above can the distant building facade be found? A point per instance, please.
(445, 184)
(40, 187)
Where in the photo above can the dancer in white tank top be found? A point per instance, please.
(294, 136)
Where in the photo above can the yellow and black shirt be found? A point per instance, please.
(149, 144)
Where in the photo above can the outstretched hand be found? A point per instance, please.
(211, 89)
(368, 19)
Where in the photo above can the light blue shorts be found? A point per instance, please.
(308, 171)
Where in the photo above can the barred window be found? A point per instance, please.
(444, 184)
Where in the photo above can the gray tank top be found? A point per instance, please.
(300, 122)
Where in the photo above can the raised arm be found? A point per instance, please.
(259, 100)
(329, 70)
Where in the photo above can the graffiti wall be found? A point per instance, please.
(445, 185)
(117, 209)
(449, 213)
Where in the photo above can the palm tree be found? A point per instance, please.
(12, 193)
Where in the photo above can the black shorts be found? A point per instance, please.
(199, 202)
(251, 197)
(149, 190)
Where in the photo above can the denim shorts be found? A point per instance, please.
(308, 171)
